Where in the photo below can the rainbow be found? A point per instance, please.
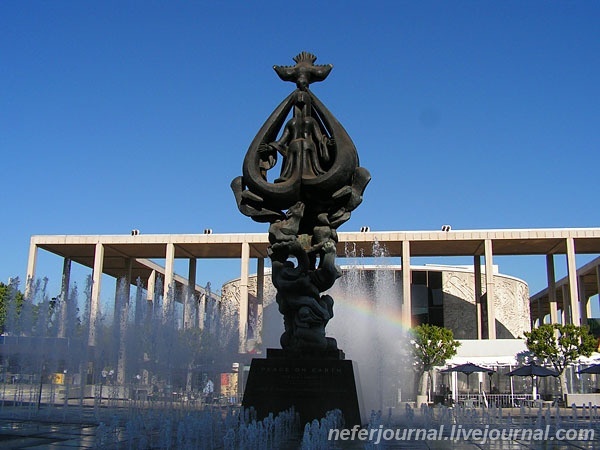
(364, 307)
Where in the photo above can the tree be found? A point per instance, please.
(10, 297)
(561, 346)
(431, 346)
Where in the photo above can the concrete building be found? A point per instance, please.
(474, 300)
(128, 257)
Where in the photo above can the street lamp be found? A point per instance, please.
(41, 385)
(104, 374)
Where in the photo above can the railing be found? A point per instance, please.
(500, 400)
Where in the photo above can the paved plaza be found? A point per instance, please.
(17, 434)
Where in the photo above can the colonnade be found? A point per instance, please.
(399, 244)
(568, 300)
(192, 304)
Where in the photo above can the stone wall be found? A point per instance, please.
(511, 302)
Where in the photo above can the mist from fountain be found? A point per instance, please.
(369, 328)
(143, 352)
(143, 383)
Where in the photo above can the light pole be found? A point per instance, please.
(41, 385)
(66, 385)
(103, 374)
(136, 387)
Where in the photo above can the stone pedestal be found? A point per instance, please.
(312, 384)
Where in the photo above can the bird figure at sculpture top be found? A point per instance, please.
(304, 72)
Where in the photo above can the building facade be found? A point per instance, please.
(440, 295)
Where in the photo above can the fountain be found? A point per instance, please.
(370, 298)
(133, 388)
(320, 183)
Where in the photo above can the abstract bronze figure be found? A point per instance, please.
(318, 185)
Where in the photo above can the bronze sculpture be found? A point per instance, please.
(319, 184)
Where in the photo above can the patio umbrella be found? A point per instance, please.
(592, 369)
(468, 369)
(595, 369)
(532, 370)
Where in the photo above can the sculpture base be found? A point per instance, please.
(312, 384)
(274, 353)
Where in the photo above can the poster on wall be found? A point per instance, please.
(229, 386)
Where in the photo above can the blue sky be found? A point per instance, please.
(137, 114)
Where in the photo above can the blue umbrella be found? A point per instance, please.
(532, 370)
(468, 369)
(592, 369)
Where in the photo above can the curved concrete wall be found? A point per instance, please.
(511, 300)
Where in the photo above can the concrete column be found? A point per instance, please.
(64, 298)
(190, 296)
(123, 292)
(150, 292)
(597, 290)
(584, 300)
(477, 275)
(190, 306)
(551, 288)
(489, 289)
(196, 308)
(31, 265)
(566, 308)
(151, 286)
(406, 285)
(572, 272)
(169, 286)
(201, 310)
(243, 325)
(139, 307)
(260, 294)
(95, 297)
